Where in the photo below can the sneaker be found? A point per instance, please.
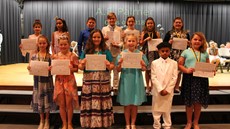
(47, 125)
(41, 125)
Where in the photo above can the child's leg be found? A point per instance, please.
(147, 72)
(127, 113)
(41, 125)
(189, 112)
(115, 76)
(47, 123)
(197, 110)
(156, 118)
(69, 107)
(167, 120)
(133, 114)
(62, 108)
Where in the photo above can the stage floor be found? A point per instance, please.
(16, 76)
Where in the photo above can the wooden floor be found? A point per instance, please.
(16, 76)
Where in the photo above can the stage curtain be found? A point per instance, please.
(10, 29)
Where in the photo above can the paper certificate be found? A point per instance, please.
(114, 36)
(29, 44)
(95, 62)
(203, 69)
(179, 43)
(39, 68)
(131, 60)
(152, 44)
(60, 67)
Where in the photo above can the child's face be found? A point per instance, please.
(177, 24)
(131, 43)
(64, 46)
(59, 24)
(131, 23)
(91, 24)
(112, 20)
(164, 52)
(150, 24)
(42, 44)
(37, 29)
(196, 42)
(96, 38)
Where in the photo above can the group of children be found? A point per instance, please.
(96, 109)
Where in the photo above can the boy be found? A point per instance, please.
(115, 48)
(84, 35)
(163, 76)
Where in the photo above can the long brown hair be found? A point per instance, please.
(203, 46)
(47, 41)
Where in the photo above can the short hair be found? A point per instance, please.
(37, 22)
(111, 14)
(164, 45)
(91, 18)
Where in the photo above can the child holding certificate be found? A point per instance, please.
(60, 29)
(65, 91)
(43, 86)
(114, 45)
(96, 100)
(177, 32)
(131, 92)
(149, 32)
(164, 76)
(195, 92)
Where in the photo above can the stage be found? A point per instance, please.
(16, 77)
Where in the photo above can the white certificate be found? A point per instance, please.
(39, 68)
(95, 62)
(152, 44)
(179, 43)
(131, 60)
(114, 36)
(203, 69)
(29, 44)
(60, 67)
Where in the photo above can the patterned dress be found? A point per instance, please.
(43, 90)
(66, 83)
(175, 54)
(96, 100)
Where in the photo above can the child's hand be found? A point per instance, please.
(106, 37)
(70, 66)
(83, 62)
(49, 68)
(107, 63)
(120, 61)
(171, 41)
(143, 66)
(190, 70)
(28, 67)
(148, 39)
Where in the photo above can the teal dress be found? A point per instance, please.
(131, 89)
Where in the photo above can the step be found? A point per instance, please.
(14, 108)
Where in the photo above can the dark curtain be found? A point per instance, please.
(10, 28)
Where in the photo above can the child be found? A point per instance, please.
(60, 29)
(96, 100)
(84, 34)
(164, 76)
(115, 48)
(131, 92)
(37, 27)
(65, 91)
(195, 92)
(149, 32)
(177, 32)
(43, 86)
(130, 22)
(213, 54)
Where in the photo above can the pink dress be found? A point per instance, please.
(66, 84)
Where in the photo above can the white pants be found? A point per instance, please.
(166, 118)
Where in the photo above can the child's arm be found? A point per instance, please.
(154, 78)
(143, 66)
(183, 68)
(119, 64)
(52, 43)
(109, 65)
(173, 77)
(74, 64)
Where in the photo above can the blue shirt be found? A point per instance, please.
(84, 35)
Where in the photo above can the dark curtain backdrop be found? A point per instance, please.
(210, 18)
(10, 29)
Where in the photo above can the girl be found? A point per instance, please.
(131, 93)
(195, 92)
(65, 92)
(43, 86)
(147, 34)
(96, 101)
(130, 22)
(176, 32)
(37, 27)
(213, 54)
(60, 29)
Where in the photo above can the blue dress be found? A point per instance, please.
(131, 89)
